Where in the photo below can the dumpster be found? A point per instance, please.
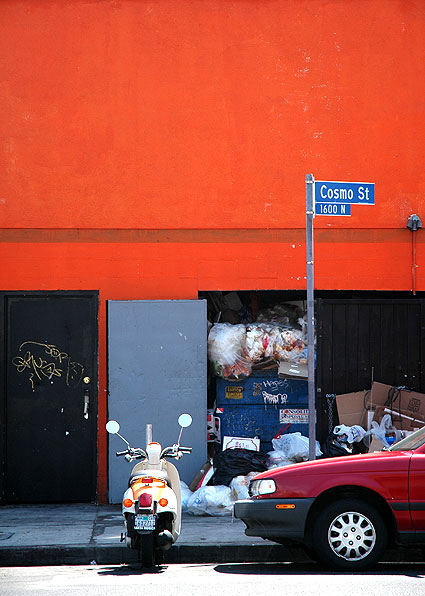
(262, 405)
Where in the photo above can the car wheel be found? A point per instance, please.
(349, 534)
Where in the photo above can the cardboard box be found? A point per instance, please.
(293, 371)
(352, 408)
(376, 445)
(407, 408)
(401, 419)
(379, 394)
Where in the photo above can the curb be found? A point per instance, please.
(32, 556)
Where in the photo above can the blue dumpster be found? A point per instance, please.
(262, 405)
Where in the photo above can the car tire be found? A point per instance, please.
(349, 534)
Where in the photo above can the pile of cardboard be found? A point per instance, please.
(406, 408)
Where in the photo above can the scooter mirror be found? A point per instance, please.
(112, 427)
(185, 420)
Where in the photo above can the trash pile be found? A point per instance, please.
(226, 478)
(369, 420)
(222, 481)
(278, 335)
(379, 417)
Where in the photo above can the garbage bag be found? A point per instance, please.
(211, 500)
(385, 430)
(268, 340)
(288, 345)
(353, 434)
(239, 487)
(258, 344)
(295, 446)
(236, 462)
(227, 351)
(334, 447)
(186, 493)
(277, 459)
(289, 315)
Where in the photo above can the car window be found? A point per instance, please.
(413, 441)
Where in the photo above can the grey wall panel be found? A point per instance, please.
(157, 366)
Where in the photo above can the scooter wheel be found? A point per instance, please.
(147, 550)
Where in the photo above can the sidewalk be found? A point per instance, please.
(84, 534)
(78, 534)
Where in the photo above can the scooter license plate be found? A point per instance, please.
(145, 522)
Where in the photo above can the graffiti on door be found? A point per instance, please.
(42, 361)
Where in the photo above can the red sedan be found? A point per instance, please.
(345, 510)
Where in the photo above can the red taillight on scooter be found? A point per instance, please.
(145, 500)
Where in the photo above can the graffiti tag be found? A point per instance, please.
(52, 364)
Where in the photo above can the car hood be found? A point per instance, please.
(381, 460)
(376, 471)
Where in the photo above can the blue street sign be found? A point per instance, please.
(348, 193)
(332, 209)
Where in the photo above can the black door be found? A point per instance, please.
(50, 409)
(361, 340)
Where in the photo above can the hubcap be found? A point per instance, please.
(351, 536)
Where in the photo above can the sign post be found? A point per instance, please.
(324, 198)
(309, 182)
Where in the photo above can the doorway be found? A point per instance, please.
(49, 400)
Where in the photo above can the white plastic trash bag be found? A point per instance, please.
(277, 459)
(295, 446)
(239, 487)
(227, 351)
(354, 433)
(211, 500)
(385, 429)
(186, 493)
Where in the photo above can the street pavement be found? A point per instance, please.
(83, 534)
(75, 534)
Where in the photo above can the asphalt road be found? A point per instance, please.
(244, 579)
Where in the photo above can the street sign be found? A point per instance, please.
(324, 198)
(348, 193)
(332, 209)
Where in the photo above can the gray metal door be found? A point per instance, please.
(157, 370)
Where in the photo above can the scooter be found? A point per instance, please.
(151, 505)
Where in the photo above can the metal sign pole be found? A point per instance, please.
(309, 180)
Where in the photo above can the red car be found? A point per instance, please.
(344, 510)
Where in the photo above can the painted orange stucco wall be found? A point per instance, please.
(194, 114)
(153, 149)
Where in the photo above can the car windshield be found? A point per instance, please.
(412, 441)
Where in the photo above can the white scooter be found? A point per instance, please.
(151, 505)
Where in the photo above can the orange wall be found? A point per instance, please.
(379, 260)
(155, 148)
(207, 114)
(189, 113)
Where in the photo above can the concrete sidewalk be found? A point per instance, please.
(79, 534)
(84, 534)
